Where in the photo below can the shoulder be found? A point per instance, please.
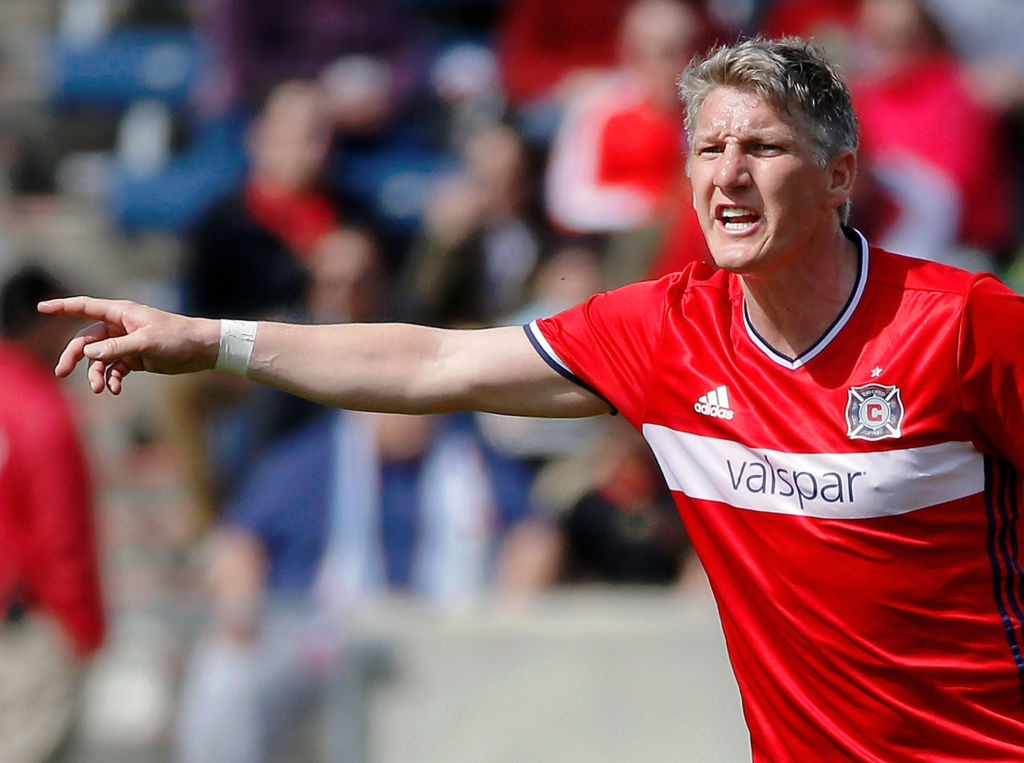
(934, 294)
(695, 277)
(686, 297)
(697, 288)
(700, 285)
(610, 95)
(911, 274)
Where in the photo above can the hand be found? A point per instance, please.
(131, 337)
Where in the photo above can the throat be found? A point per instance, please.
(789, 337)
(795, 315)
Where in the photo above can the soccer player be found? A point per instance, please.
(841, 427)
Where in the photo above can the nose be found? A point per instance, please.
(733, 170)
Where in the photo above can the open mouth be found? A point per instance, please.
(737, 219)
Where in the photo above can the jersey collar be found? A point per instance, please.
(837, 325)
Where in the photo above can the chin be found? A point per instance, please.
(732, 261)
(741, 256)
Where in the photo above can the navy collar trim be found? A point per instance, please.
(837, 325)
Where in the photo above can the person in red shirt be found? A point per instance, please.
(546, 45)
(616, 166)
(824, 20)
(616, 161)
(840, 426)
(50, 599)
(931, 149)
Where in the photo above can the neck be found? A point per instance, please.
(272, 187)
(791, 308)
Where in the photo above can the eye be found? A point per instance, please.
(768, 149)
(708, 149)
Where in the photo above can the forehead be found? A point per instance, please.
(734, 111)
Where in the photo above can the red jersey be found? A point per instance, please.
(616, 160)
(48, 554)
(856, 508)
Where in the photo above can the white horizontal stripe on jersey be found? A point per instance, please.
(823, 485)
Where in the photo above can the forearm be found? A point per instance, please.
(380, 367)
(403, 368)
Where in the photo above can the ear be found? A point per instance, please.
(840, 176)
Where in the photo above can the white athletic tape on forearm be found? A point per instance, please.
(236, 342)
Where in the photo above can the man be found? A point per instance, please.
(51, 610)
(840, 426)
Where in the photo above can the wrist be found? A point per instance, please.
(234, 346)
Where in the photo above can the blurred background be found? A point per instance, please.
(220, 572)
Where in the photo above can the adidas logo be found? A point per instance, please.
(715, 403)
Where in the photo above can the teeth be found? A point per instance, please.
(737, 218)
(736, 212)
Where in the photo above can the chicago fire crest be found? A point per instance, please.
(874, 412)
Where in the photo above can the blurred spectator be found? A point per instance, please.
(480, 238)
(346, 507)
(566, 277)
(931, 153)
(607, 517)
(347, 283)
(617, 164)
(830, 23)
(372, 56)
(619, 154)
(51, 614)
(549, 49)
(986, 34)
(466, 84)
(247, 253)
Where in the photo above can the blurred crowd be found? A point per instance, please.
(457, 163)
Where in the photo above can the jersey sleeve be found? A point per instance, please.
(607, 343)
(991, 360)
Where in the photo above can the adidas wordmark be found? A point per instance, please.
(715, 403)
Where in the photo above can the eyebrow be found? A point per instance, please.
(775, 137)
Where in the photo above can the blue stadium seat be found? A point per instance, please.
(126, 65)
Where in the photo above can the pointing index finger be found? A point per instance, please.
(86, 307)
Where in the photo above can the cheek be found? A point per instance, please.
(701, 187)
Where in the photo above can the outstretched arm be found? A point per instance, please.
(382, 367)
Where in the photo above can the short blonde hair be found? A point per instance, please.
(791, 74)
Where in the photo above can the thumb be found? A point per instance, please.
(113, 348)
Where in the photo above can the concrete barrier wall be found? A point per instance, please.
(589, 675)
(592, 675)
